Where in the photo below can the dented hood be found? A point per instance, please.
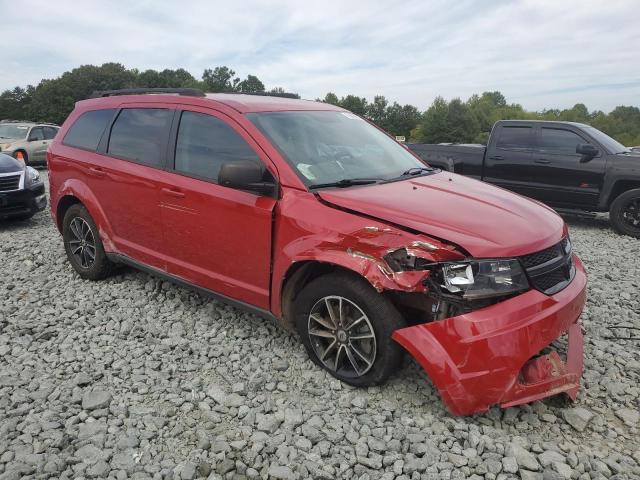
(485, 220)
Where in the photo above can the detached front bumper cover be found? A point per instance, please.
(490, 356)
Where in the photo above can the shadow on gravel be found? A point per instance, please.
(9, 225)
(595, 223)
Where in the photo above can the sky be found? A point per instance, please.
(539, 53)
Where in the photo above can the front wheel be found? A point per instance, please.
(625, 213)
(346, 328)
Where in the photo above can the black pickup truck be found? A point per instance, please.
(569, 166)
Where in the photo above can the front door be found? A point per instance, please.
(564, 180)
(218, 238)
(37, 148)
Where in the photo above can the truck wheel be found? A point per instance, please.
(625, 213)
(83, 245)
(346, 328)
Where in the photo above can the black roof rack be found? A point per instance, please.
(271, 94)
(187, 92)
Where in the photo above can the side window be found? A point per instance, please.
(88, 128)
(555, 140)
(36, 134)
(205, 142)
(49, 132)
(515, 138)
(140, 134)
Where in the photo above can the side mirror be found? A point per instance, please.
(587, 151)
(245, 175)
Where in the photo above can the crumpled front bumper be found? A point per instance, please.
(490, 356)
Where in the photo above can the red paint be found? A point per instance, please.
(475, 359)
(244, 246)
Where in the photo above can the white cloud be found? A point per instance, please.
(540, 53)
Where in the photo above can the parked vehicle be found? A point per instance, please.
(22, 192)
(635, 149)
(566, 165)
(305, 213)
(27, 141)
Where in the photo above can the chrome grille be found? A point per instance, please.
(550, 270)
(9, 183)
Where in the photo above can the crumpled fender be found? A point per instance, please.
(76, 188)
(351, 241)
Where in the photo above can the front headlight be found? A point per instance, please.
(33, 176)
(483, 278)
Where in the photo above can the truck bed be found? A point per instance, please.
(463, 158)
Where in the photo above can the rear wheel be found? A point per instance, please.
(625, 213)
(346, 328)
(83, 245)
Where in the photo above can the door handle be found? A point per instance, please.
(496, 157)
(542, 160)
(97, 171)
(173, 193)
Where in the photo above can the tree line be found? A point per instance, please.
(455, 120)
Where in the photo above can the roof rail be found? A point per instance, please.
(187, 92)
(270, 94)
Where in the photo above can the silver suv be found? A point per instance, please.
(26, 141)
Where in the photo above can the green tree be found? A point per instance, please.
(433, 125)
(357, 105)
(331, 98)
(376, 111)
(251, 84)
(220, 79)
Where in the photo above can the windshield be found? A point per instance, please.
(14, 132)
(328, 147)
(613, 146)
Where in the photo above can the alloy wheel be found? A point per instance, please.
(342, 336)
(631, 213)
(82, 243)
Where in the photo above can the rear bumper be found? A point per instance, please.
(486, 357)
(22, 202)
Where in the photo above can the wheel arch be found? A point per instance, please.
(620, 187)
(298, 275)
(64, 203)
(74, 191)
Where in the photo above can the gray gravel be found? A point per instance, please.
(136, 378)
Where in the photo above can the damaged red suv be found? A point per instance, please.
(305, 213)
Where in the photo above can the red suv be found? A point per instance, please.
(306, 213)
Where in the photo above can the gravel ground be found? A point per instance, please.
(136, 378)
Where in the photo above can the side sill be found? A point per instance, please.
(117, 258)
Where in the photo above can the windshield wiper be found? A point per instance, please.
(416, 171)
(346, 182)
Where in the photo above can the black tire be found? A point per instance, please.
(97, 266)
(25, 157)
(380, 314)
(624, 213)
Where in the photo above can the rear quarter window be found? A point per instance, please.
(88, 128)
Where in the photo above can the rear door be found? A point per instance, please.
(561, 178)
(124, 179)
(508, 160)
(217, 237)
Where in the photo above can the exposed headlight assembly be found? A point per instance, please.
(33, 176)
(483, 278)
